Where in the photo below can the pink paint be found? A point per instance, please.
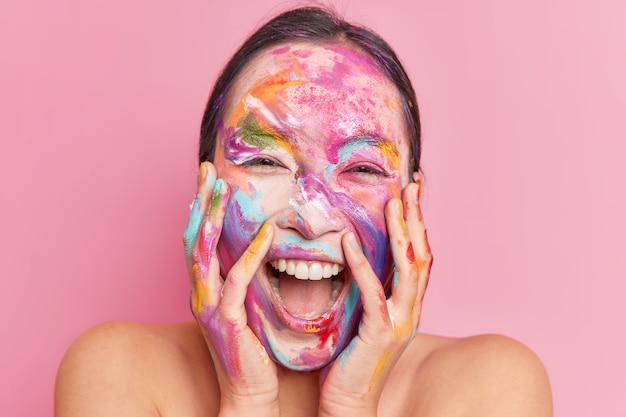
(331, 152)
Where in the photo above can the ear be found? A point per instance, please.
(419, 180)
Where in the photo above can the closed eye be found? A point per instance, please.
(368, 170)
(262, 162)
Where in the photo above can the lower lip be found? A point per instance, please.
(307, 326)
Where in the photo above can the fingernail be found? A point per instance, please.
(352, 241)
(202, 173)
(209, 177)
(264, 231)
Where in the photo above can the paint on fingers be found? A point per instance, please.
(258, 241)
(207, 176)
(199, 296)
(410, 254)
(207, 245)
(425, 258)
(193, 226)
(216, 198)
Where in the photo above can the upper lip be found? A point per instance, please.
(301, 256)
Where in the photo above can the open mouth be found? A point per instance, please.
(306, 289)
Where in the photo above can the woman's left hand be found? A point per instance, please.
(354, 382)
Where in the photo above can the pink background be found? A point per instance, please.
(523, 106)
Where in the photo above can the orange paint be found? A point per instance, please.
(390, 151)
(271, 89)
(200, 295)
(380, 367)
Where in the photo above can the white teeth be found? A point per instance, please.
(315, 271)
(327, 271)
(306, 270)
(282, 265)
(302, 271)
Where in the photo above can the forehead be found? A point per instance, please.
(318, 82)
(317, 93)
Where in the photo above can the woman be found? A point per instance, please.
(308, 257)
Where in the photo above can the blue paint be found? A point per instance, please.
(210, 180)
(280, 356)
(193, 227)
(249, 208)
(308, 245)
(352, 299)
(344, 355)
(347, 150)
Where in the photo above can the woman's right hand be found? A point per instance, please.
(246, 375)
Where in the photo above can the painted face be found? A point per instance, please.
(314, 143)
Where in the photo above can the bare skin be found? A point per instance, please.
(295, 169)
(131, 369)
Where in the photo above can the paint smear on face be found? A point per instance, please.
(332, 146)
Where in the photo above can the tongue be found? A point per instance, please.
(306, 299)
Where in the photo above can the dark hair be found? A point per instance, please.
(311, 24)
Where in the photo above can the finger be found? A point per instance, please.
(241, 274)
(209, 237)
(405, 284)
(375, 311)
(206, 181)
(419, 238)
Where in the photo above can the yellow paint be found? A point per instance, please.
(390, 103)
(200, 295)
(380, 366)
(309, 328)
(390, 151)
(404, 330)
(257, 243)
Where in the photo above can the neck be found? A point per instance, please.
(299, 392)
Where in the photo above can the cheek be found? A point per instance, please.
(365, 210)
(373, 202)
(244, 216)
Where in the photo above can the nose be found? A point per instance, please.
(311, 212)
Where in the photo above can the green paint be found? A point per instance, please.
(218, 190)
(254, 135)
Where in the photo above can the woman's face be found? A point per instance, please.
(314, 143)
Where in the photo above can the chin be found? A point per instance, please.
(303, 335)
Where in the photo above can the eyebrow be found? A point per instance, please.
(260, 134)
(371, 139)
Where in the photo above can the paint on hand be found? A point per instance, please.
(380, 367)
(193, 228)
(200, 294)
(410, 254)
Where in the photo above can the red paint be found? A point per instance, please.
(410, 254)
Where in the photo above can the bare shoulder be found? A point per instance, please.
(486, 375)
(125, 368)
